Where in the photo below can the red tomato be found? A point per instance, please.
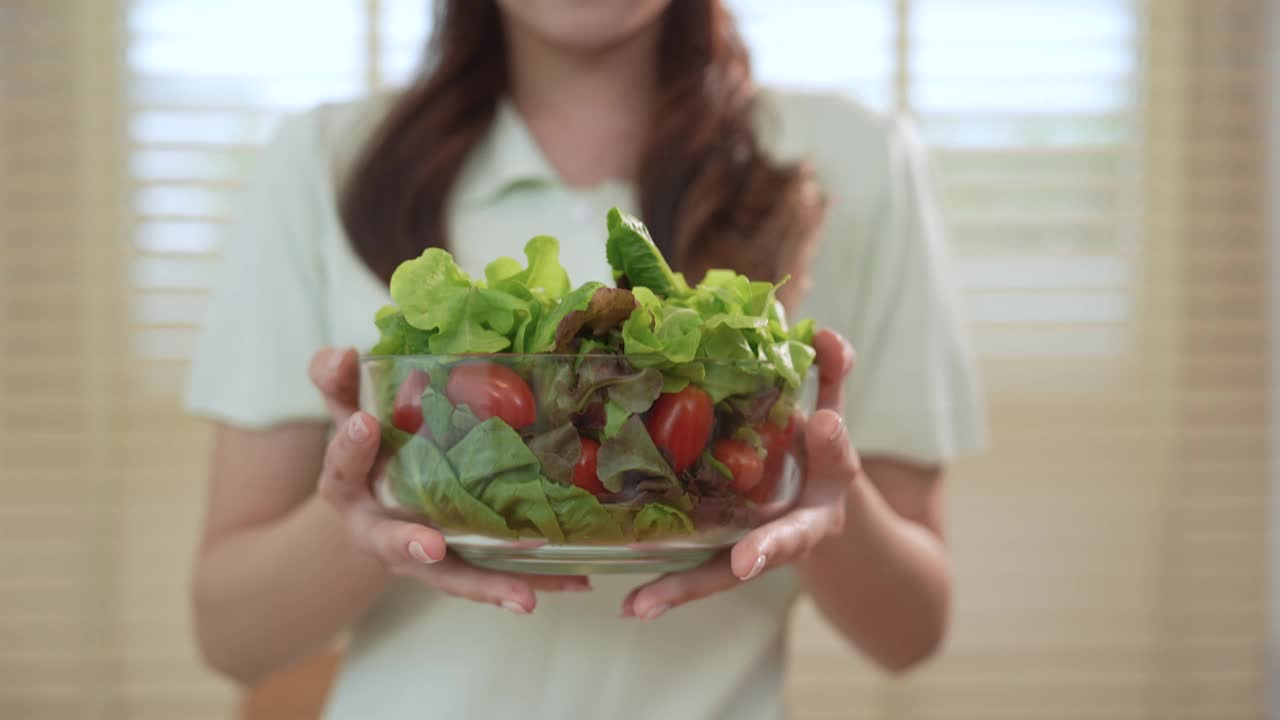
(492, 390)
(584, 473)
(680, 423)
(743, 461)
(406, 411)
(777, 444)
(777, 440)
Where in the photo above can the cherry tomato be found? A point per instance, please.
(584, 473)
(777, 444)
(492, 390)
(777, 440)
(680, 423)
(743, 461)
(406, 410)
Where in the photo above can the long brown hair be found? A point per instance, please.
(708, 192)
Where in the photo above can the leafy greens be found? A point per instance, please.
(654, 333)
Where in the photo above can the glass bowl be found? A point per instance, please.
(579, 464)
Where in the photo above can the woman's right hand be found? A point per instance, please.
(405, 549)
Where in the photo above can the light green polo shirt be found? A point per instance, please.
(290, 284)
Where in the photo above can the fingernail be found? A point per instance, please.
(756, 569)
(336, 356)
(356, 429)
(839, 428)
(515, 607)
(417, 552)
(655, 612)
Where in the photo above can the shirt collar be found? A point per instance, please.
(507, 155)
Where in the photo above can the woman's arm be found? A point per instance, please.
(884, 581)
(868, 548)
(276, 576)
(288, 560)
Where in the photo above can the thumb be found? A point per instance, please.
(335, 372)
(827, 446)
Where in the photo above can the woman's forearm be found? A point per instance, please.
(884, 582)
(268, 595)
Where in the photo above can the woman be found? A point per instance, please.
(535, 118)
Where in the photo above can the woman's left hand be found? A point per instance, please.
(831, 464)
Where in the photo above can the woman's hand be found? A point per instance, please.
(405, 549)
(832, 466)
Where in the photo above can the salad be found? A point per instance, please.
(517, 405)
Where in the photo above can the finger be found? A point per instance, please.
(831, 464)
(786, 539)
(511, 591)
(347, 461)
(835, 359)
(398, 542)
(828, 452)
(656, 598)
(408, 545)
(334, 372)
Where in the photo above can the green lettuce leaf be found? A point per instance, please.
(726, 343)
(615, 415)
(544, 273)
(581, 516)
(518, 496)
(422, 480)
(669, 336)
(479, 312)
(437, 412)
(432, 291)
(463, 421)
(657, 520)
(633, 391)
(544, 339)
(434, 294)
(630, 451)
(558, 451)
(802, 357)
(633, 256)
(448, 424)
(526, 305)
(490, 449)
(778, 355)
(723, 380)
(802, 332)
(562, 390)
(552, 385)
(501, 269)
(762, 298)
(397, 336)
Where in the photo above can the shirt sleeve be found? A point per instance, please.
(883, 279)
(266, 316)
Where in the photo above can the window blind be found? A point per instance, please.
(56, 551)
(1099, 164)
(195, 115)
(1110, 551)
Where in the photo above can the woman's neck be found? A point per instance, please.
(589, 113)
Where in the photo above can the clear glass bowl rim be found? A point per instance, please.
(368, 358)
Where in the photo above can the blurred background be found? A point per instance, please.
(1105, 169)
